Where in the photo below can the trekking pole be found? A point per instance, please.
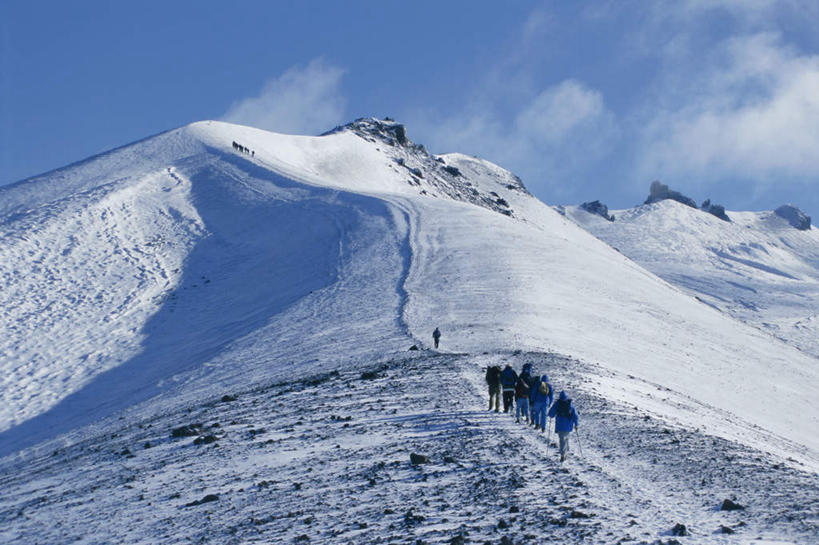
(579, 444)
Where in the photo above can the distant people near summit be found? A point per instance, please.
(508, 380)
(493, 381)
(436, 336)
(243, 149)
(566, 420)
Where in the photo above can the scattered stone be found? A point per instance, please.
(204, 440)
(578, 515)
(369, 375)
(147, 444)
(729, 505)
(450, 460)
(514, 509)
(416, 459)
(413, 347)
(452, 170)
(726, 530)
(190, 430)
(207, 499)
(506, 540)
(457, 540)
(502, 524)
(302, 538)
(679, 530)
(228, 398)
(410, 518)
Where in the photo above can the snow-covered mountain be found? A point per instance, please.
(760, 267)
(244, 283)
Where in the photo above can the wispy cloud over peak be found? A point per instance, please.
(752, 112)
(303, 100)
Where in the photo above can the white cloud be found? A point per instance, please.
(752, 112)
(547, 139)
(559, 111)
(303, 100)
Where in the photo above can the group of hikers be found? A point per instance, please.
(533, 398)
(243, 149)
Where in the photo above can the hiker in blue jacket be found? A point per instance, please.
(508, 380)
(541, 399)
(566, 420)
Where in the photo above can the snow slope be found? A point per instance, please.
(140, 282)
(757, 267)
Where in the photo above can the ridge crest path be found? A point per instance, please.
(288, 457)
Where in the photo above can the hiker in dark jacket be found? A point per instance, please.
(493, 374)
(566, 420)
(508, 380)
(532, 381)
(541, 399)
(522, 398)
(436, 336)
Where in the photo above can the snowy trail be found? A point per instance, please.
(288, 457)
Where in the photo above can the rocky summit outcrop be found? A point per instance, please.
(794, 215)
(660, 192)
(715, 209)
(434, 174)
(598, 208)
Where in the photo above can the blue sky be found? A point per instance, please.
(584, 100)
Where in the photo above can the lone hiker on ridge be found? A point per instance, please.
(436, 335)
(566, 419)
(493, 374)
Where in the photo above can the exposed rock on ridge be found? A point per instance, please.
(795, 217)
(431, 174)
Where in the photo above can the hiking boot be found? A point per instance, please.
(542, 429)
(562, 457)
(517, 420)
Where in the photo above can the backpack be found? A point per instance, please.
(493, 375)
(543, 389)
(564, 408)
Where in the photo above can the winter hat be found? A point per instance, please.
(563, 395)
(544, 378)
